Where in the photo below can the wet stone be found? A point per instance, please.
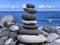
(30, 10)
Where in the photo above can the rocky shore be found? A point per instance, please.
(27, 33)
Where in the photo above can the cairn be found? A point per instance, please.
(30, 34)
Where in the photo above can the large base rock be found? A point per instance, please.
(32, 38)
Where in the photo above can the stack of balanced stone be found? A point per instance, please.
(29, 33)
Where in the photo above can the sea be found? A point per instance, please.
(44, 18)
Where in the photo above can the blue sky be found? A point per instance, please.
(41, 5)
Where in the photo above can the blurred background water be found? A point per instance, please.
(44, 18)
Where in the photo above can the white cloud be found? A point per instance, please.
(24, 5)
(41, 6)
(46, 6)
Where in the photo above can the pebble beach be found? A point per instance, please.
(28, 32)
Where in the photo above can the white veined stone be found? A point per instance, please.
(34, 21)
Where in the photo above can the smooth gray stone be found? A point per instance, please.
(31, 26)
(50, 29)
(13, 35)
(30, 6)
(10, 42)
(28, 17)
(4, 32)
(4, 38)
(30, 10)
(51, 37)
(31, 38)
(56, 42)
(7, 18)
(29, 31)
(14, 28)
(1, 42)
